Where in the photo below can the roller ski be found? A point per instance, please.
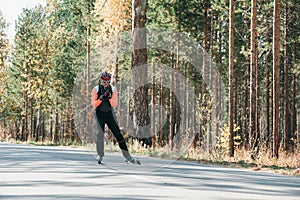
(133, 161)
(130, 159)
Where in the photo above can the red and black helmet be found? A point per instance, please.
(106, 76)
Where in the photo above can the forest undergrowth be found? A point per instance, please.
(287, 164)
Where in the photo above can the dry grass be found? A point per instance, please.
(287, 164)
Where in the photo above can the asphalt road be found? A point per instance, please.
(38, 172)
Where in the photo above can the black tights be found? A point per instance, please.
(109, 119)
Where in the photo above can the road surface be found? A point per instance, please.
(38, 172)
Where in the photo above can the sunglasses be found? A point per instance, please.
(105, 81)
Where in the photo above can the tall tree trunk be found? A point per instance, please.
(66, 122)
(51, 125)
(128, 117)
(178, 109)
(286, 130)
(231, 75)
(247, 97)
(139, 60)
(204, 80)
(276, 74)
(294, 110)
(43, 130)
(219, 82)
(253, 75)
(257, 107)
(185, 117)
(68, 119)
(88, 50)
(116, 71)
(32, 135)
(62, 130)
(213, 84)
(191, 122)
(88, 63)
(38, 124)
(172, 105)
(56, 124)
(161, 113)
(267, 96)
(26, 117)
(87, 73)
(153, 115)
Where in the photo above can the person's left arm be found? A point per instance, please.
(114, 98)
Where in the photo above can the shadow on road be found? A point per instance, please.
(58, 172)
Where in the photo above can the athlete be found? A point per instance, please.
(104, 99)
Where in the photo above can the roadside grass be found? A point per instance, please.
(286, 163)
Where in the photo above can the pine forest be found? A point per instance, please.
(211, 80)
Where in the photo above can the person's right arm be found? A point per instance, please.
(95, 101)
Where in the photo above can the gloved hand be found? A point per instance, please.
(102, 97)
(107, 94)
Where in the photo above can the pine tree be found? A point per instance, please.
(139, 66)
(4, 51)
(231, 77)
(276, 75)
